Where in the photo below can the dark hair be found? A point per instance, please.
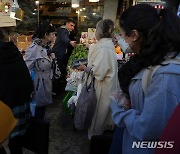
(104, 27)
(70, 20)
(160, 34)
(43, 29)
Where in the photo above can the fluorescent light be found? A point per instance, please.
(75, 3)
(77, 11)
(93, 0)
(37, 2)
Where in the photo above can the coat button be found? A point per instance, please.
(42, 70)
(43, 61)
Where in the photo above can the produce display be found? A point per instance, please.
(79, 52)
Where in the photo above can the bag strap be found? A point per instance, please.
(149, 72)
(90, 73)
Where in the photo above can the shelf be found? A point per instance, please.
(151, 2)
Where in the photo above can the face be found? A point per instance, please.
(133, 39)
(50, 37)
(70, 26)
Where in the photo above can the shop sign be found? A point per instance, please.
(6, 21)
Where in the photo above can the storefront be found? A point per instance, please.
(85, 12)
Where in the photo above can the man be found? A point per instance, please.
(60, 49)
(61, 44)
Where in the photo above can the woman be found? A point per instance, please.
(37, 60)
(102, 61)
(15, 89)
(154, 35)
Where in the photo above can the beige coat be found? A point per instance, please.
(102, 58)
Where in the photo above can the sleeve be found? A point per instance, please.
(159, 104)
(100, 64)
(30, 57)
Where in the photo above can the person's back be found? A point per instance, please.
(15, 88)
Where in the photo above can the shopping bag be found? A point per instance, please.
(56, 70)
(65, 101)
(86, 105)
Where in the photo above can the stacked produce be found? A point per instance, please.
(79, 52)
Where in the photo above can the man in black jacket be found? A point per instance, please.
(61, 44)
(61, 49)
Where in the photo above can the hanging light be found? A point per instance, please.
(93, 0)
(75, 3)
(37, 3)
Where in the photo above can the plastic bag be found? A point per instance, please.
(121, 98)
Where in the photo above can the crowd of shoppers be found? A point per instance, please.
(153, 35)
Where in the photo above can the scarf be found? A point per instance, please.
(44, 45)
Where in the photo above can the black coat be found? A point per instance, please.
(61, 43)
(15, 81)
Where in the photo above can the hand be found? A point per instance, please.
(127, 104)
(81, 66)
(73, 43)
(87, 45)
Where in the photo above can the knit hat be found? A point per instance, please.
(7, 121)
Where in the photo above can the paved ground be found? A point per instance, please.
(63, 138)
